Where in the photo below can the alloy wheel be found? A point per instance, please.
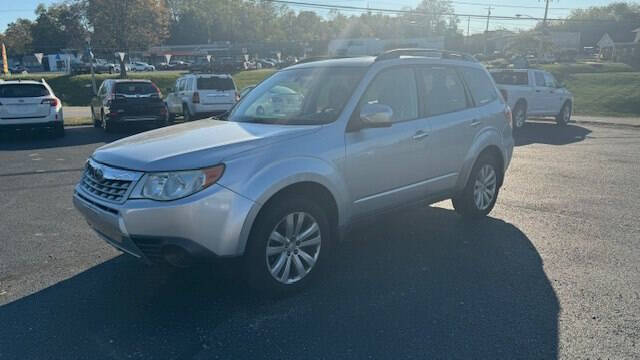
(293, 247)
(484, 189)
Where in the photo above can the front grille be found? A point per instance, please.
(107, 183)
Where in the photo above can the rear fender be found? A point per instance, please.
(486, 138)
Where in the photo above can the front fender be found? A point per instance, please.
(484, 139)
(269, 180)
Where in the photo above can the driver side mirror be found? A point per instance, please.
(376, 115)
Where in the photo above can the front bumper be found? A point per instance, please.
(205, 224)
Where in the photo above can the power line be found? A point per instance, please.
(422, 12)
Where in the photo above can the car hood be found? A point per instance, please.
(193, 145)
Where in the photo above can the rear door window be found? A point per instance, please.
(135, 88)
(443, 91)
(215, 83)
(511, 78)
(482, 89)
(22, 90)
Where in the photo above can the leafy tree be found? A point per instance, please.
(58, 27)
(618, 19)
(17, 37)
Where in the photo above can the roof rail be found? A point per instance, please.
(430, 53)
(319, 58)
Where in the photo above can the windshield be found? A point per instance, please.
(299, 97)
(22, 90)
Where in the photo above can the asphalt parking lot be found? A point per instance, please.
(553, 273)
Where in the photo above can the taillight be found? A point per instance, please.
(504, 94)
(52, 102)
(158, 90)
(507, 115)
(196, 97)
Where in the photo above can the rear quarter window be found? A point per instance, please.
(215, 83)
(22, 90)
(482, 89)
(511, 78)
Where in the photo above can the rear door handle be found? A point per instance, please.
(419, 135)
(475, 122)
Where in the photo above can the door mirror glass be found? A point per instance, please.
(376, 115)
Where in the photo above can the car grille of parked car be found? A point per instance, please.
(107, 189)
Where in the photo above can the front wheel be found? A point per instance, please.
(288, 245)
(564, 116)
(481, 192)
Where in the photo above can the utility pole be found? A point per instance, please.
(546, 12)
(486, 30)
(468, 23)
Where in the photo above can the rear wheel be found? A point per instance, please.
(481, 192)
(519, 116)
(563, 118)
(186, 114)
(107, 125)
(288, 245)
(58, 130)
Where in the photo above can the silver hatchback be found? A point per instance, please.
(308, 152)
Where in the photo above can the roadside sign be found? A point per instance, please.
(39, 57)
(246, 57)
(120, 55)
(245, 50)
(209, 58)
(279, 55)
(167, 58)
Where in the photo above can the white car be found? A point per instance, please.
(201, 95)
(30, 104)
(141, 66)
(534, 93)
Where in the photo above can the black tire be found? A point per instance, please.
(563, 118)
(58, 130)
(96, 123)
(107, 125)
(519, 110)
(255, 259)
(186, 114)
(172, 118)
(465, 203)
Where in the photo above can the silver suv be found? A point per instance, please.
(308, 152)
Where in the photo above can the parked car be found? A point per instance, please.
(18, 69)
(141, 66)
(532, 92)
(99, 66)
(200, 95)
(371, 134)
(123, 102)
(29, 104)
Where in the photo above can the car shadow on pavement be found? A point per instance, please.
(415, 284)
(538, 132)
(75, 135)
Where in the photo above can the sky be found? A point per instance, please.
(10, 10)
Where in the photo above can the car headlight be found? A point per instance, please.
(175, 185)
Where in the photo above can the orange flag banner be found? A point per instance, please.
(5, 63)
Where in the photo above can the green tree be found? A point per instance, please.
(58, 27)
(17, 37)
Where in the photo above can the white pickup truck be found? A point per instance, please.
(533, 93)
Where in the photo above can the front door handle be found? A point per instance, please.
(475, 122)
(420, 135)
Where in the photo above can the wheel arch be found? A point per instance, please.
(488, 142)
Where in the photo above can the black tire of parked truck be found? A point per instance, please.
(563, 118)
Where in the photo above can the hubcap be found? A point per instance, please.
(293, 247)
(519, 118)
(567, 114)
(484, 189)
